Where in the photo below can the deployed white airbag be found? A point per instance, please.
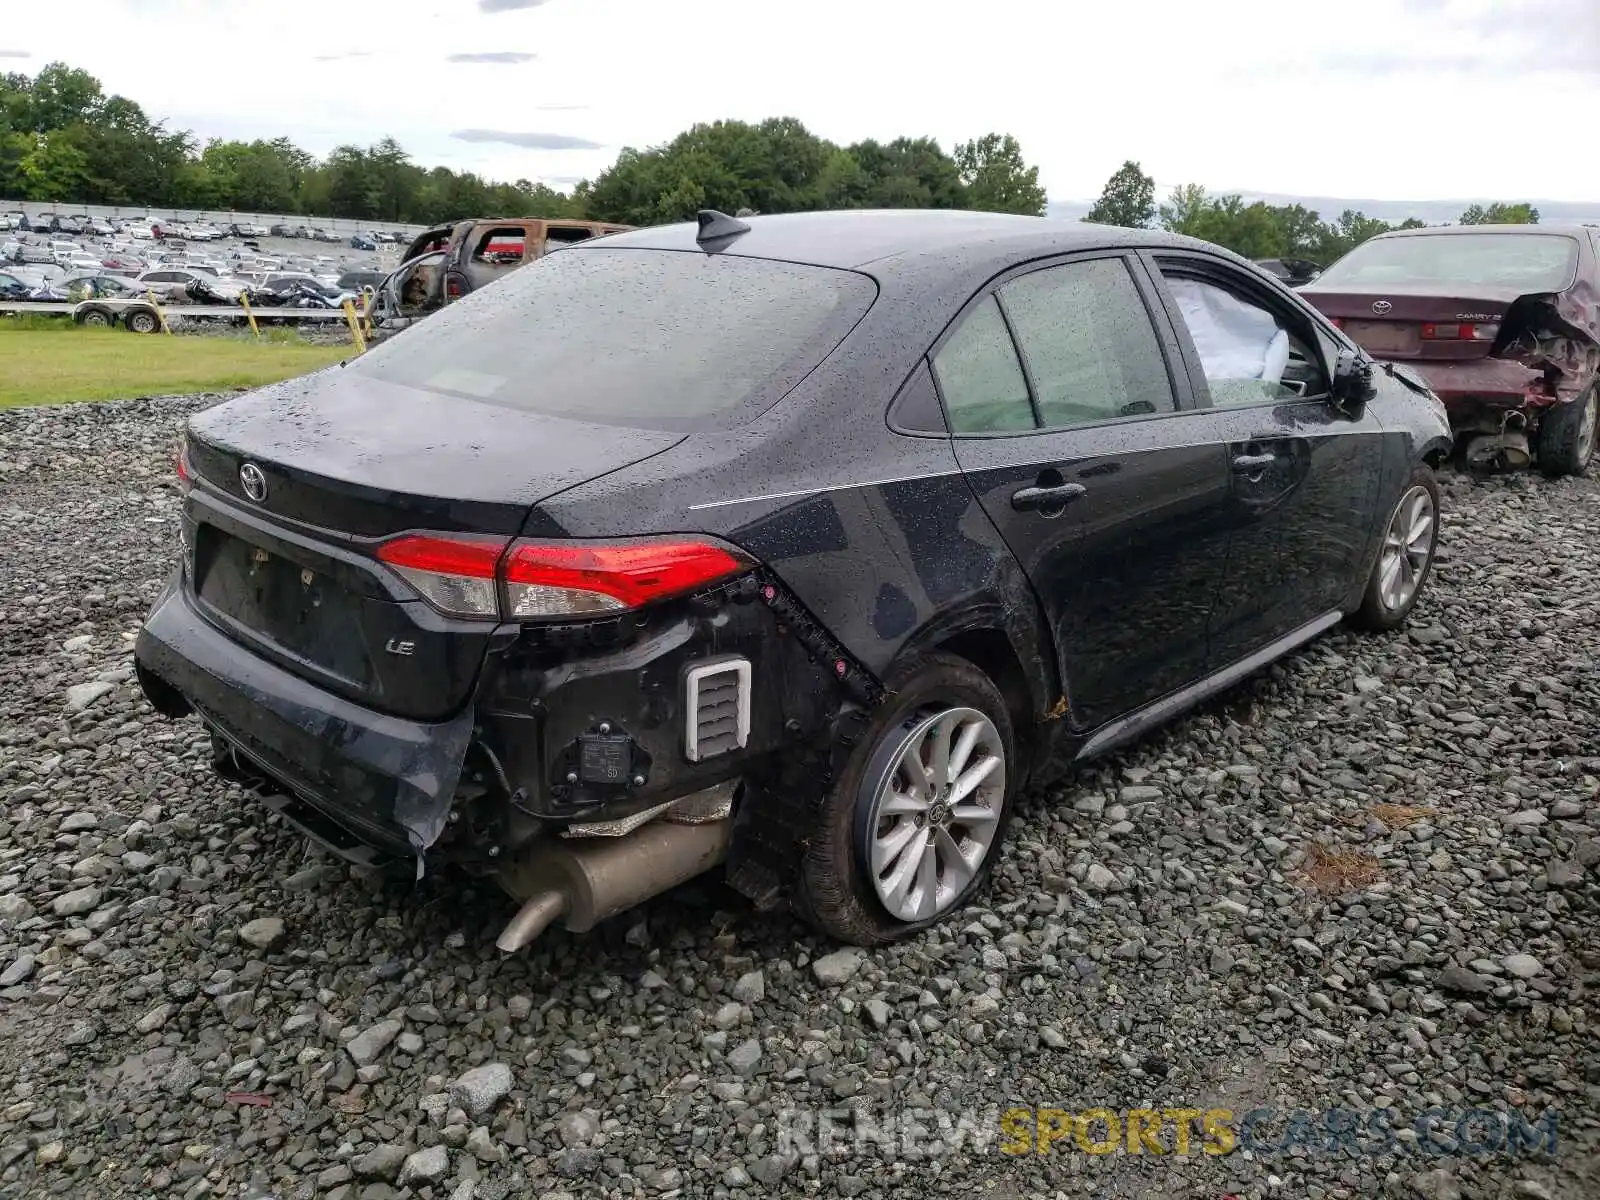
(1235, 340)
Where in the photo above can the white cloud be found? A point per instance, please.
(528, 141)
(491, 56)
(1401, 98)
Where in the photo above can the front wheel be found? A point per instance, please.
(914, 823)
(1567, 435)
(1409, 540)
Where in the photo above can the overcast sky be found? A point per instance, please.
(1413, 99)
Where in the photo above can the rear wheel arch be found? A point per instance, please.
(990, 650)
(1010, 644)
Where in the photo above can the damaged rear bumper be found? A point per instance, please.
(589, 731)
(1495, 383)
(385, 780)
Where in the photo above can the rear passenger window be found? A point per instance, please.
(556, 238)
(1088, 342)
(980, 378)
(501, 247)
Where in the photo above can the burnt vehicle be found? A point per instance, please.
(448, 261)
(1503, 321)
(355, 281)
(798, 545)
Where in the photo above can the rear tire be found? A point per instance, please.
(96, 318)
(1567, 435)
(1410, 537)
(142, 321)
(881, 828)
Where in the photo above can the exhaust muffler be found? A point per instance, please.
(1514, 446)
(584, 881)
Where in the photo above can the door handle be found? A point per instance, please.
(1252, 464)
(1035, 498)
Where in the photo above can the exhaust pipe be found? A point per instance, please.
(1514, 445)
(587, 880)
(1504, 451)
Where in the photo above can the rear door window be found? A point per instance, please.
(558, 236)
(652, 338)
(1088, 343)
(501, 246)
(979, 376)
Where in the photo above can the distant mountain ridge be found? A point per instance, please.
(1434, 212)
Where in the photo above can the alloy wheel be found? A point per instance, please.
(935, 812)
(1586, 426)
(1407, 546)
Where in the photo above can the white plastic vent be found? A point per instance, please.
(717, 708)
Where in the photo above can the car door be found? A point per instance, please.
(1304, 476)
(1072, 427)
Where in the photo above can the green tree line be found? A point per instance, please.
(63, 140)
(1258, 229)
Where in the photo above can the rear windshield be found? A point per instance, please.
(651, 338)
(1529, 262)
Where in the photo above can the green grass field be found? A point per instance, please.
(66, 363)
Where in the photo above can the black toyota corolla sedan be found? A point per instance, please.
(797, 545)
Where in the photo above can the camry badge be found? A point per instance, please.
(1382, 307)
(253, 482)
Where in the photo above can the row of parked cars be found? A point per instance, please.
(82, 224)
(61, 269)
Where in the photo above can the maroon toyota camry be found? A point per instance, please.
(1503, 321)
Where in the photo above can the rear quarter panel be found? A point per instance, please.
(877, 533)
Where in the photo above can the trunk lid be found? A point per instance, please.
(1405, 322)
(344, 461)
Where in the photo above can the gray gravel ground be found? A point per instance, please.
(1155, 936)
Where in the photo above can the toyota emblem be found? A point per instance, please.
(253, 482)
(1382, 307)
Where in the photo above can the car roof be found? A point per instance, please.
(857, 237)
(1459, 230)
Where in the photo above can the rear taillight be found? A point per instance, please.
(550, 579)
(1336, 322)
(454, 574)
(452, 287)
(180, 464)
(1458, 332)
(525, 580)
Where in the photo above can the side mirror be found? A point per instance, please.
(1352, 384)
